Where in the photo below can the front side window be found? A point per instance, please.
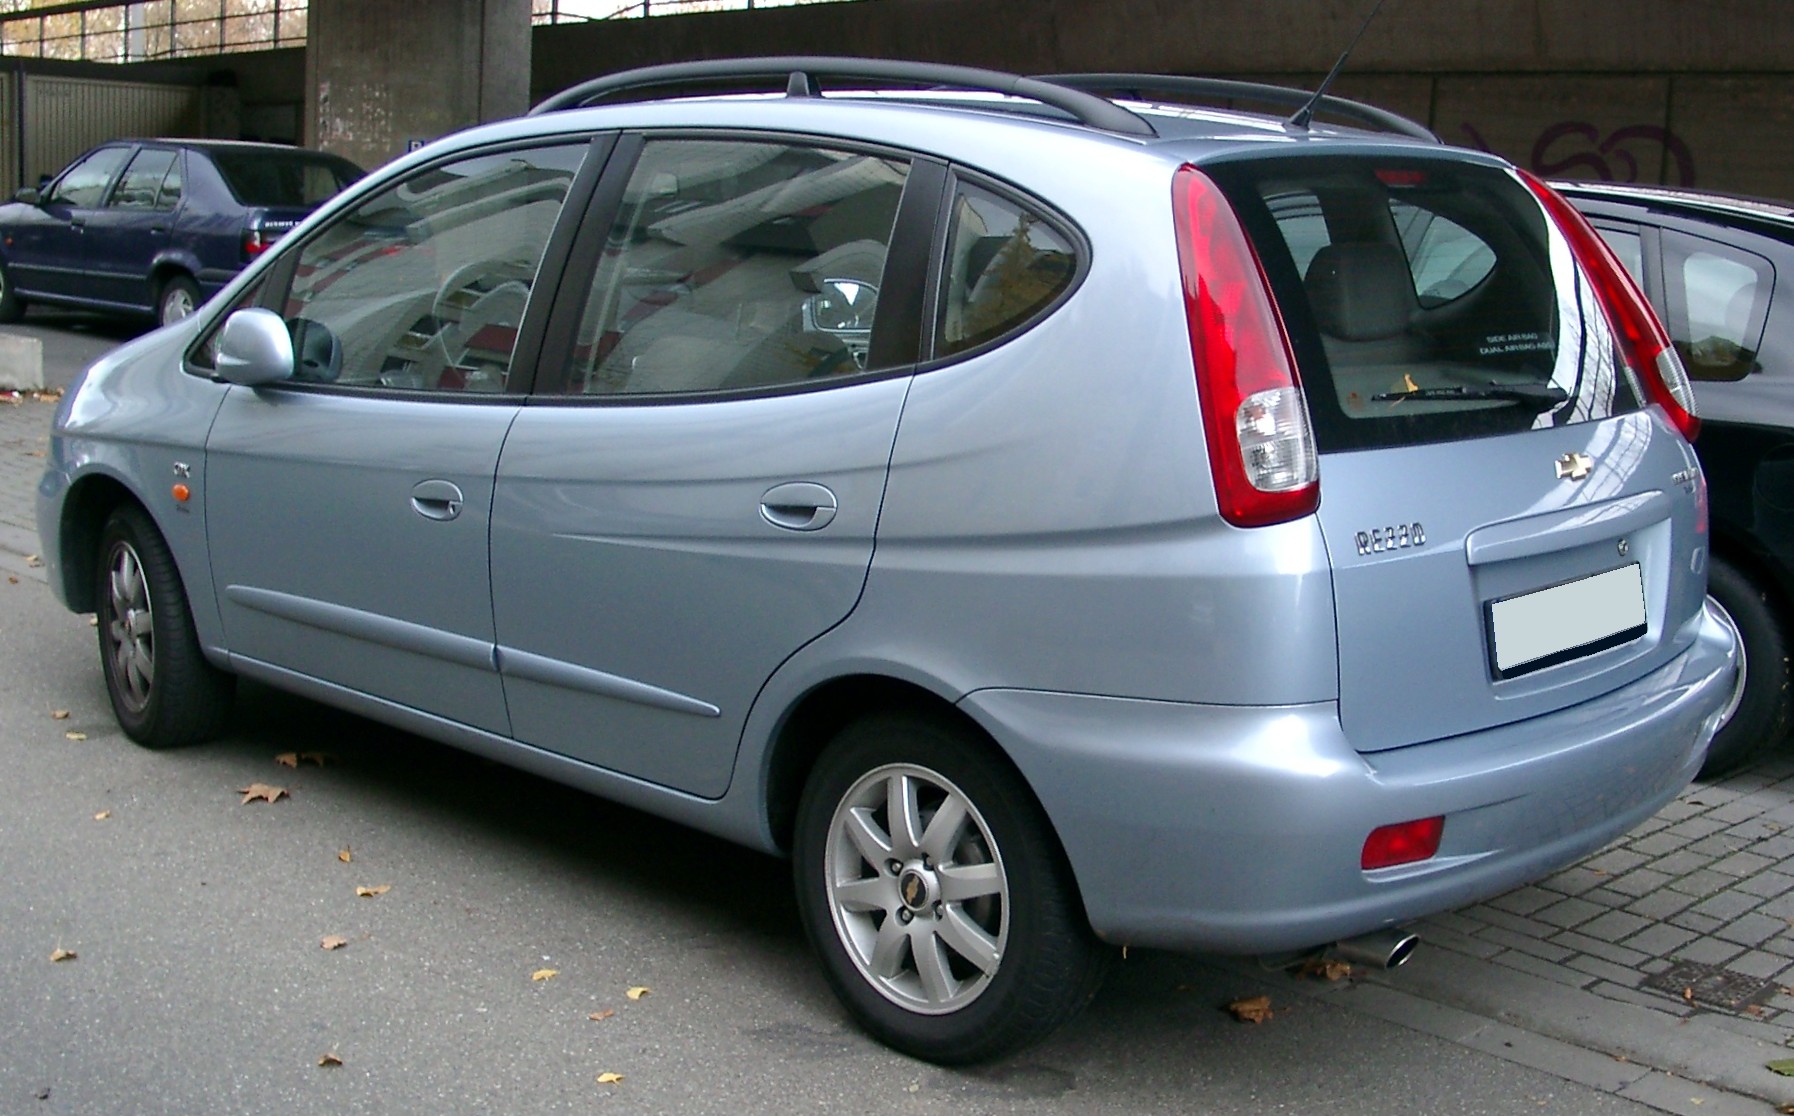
(85, 183)
(1715, 300)
(141, 186)
(423, 286)
(737, 266)
(1004, 265)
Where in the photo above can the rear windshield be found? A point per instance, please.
(300, 179)
(1426, 300)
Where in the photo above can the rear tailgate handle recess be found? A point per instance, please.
(798, 507)
(1562, 530)
(437, 499)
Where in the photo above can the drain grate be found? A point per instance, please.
(1711, 986)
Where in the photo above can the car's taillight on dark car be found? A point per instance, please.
(1642, 338)
(1260, 444)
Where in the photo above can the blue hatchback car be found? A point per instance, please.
(156, 226)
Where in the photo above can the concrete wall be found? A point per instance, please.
(381, 75)
(1690, 92)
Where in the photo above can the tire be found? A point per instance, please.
(995, 887)
(163, 691)
(1761, 718)
(176, 299)
(12, 307)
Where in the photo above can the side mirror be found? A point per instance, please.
(27, 195)
(255, 349)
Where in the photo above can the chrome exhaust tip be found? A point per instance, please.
(1380, 949)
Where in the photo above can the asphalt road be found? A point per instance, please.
(198, 982)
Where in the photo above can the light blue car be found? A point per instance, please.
(1056, 522)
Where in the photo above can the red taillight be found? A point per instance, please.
(1260, 447)
(1642, 338)
(1404, 843)
(254, 244)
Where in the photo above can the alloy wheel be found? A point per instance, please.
(916, 889)
(130, 627)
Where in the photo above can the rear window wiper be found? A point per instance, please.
(1539, 397)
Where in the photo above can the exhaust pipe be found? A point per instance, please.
(1380, 949)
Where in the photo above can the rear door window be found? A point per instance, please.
(1427, 301)
(1715, 299)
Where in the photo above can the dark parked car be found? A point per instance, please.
(156, 226)
(1709, 263)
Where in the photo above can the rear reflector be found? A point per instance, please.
(1404, 843)
(1642, 338)
(1260, 446)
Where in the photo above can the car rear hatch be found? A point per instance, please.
(1513, 528)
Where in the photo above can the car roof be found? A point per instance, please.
(1704, 203)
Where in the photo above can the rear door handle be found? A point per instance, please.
(799, 507)
(437, 499)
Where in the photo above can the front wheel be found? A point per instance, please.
(937, 895)
(12, 307)
(163, 690)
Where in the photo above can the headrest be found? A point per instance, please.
(1360, 292)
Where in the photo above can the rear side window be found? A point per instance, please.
(277, 178)
(1715, 299)
(738, 266)
(1427, 301)
(141, 185)
(1004, 265)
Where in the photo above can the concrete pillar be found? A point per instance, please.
(382, 76)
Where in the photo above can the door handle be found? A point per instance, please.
(798, 507)
(437, 499)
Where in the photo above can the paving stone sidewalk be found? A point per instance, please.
(1692, 913)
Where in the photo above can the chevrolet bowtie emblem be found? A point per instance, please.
(1574, 466)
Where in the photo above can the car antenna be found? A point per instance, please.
(1306, 113)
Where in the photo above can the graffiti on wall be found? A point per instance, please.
(1647, 153)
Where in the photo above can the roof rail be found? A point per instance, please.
(1281, 95)
(798, 74)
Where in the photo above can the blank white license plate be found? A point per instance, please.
(1537, 630)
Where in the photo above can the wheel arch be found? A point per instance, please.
(90, 500)
(822, 712)
(1761, 568)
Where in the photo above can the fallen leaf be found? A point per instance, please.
(372, 892)
(1786, 1109)
(11, 580)
(601, 1016)
(1327, 969)
(345, 856)
(608, 1078)
(637, 992)
(42, 1094)
(334, 941)
(33, 561)
(60, 954)
(287, 759)
(262, 791)
(102, 815)
(1253, 1009)
(75, 736)
(330, 1060)
(93, 621)
(47, 395)
(59, 714)
(544, 974)
(1753, 1009)
(294, 759)
(1785, 1067)
(1688, 994)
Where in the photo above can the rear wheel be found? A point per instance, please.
(163, 691)
(1760, 720)
(937, 895)
(178, 298)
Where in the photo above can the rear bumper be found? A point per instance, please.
(1239, 829)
